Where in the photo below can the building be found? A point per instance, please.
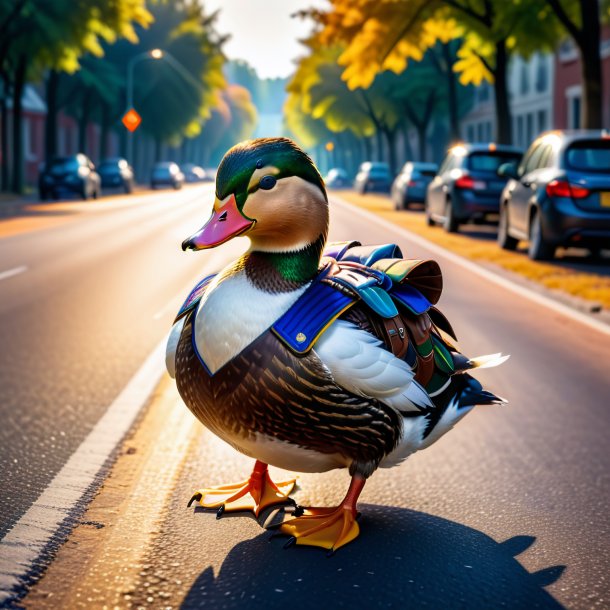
(531, 99)
(568, 87)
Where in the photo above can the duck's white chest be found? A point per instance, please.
(232, 314)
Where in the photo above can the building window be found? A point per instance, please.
(483, 91)
(542, 75)
(542, 121)
(574, 112)
(529, 127)
(488, 131)
(525, 79)
(520, 138)
(479, 132)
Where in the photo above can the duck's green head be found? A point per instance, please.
(269, 189)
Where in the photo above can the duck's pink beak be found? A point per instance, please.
(226, 222)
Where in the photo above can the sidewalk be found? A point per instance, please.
(563, 280)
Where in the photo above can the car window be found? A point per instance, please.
(589, 155)
(490, 161)
(546, 156)
(533, 160)
(443, 167)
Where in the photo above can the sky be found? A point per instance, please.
(263, 33)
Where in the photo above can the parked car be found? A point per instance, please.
(193, 173)
(75, 174)
(210, 174)
(166, 173)
(336, 178)
(467, 186)
(116, 173)
(373, 176)
(411, 183)
(559, 195)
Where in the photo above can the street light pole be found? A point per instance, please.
(154, 54)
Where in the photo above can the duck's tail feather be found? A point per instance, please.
(473, 394)
(463, 363)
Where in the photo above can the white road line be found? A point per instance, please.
(481, 271)
(24, 546)
(11, 272)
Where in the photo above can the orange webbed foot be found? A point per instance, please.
(328, 528)
(255, 494)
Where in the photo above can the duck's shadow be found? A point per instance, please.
(403, 559)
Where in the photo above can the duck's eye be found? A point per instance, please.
(267, 183)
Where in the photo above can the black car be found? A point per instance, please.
(411, 183)
(116, 173)
(166, 173)
(559, 195)
(373, 176)
(75, 174)
(467, 186)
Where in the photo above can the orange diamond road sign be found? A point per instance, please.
(131, 120)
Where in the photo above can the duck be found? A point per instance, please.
(309, 356)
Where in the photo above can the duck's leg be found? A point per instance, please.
(329, 528)
(256, 494)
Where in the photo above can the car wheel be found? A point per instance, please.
(451, 224)
(84, 193)
(505, 241)
(96, 192)
(43, 195)
(539, 249)
(128, 188)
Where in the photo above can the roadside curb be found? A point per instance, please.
(546, 298)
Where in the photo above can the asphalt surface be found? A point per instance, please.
(507, 510)
(99, 291)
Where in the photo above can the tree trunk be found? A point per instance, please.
(19, 84)
(421, 136)
(50, 125)
(379, 141)
(4, 169)
(454, 121)
(104, 129)
(157, 149)
(368, 148)
(390, 137)
(591, 65)
(407, 142)
(503, 119)
(83, 122)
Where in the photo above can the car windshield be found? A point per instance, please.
(66, 164)
(490, 162)
(590, 156)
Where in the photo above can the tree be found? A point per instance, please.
(323, 94)
(388, 34)
(37, 35)
(581, 20)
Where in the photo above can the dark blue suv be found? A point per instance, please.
(559, 195)
(467, 186)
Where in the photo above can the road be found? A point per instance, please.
(94, 294)
(508, 510)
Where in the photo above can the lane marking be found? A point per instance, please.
(477, 269)
(23, 549)
(12, 272)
